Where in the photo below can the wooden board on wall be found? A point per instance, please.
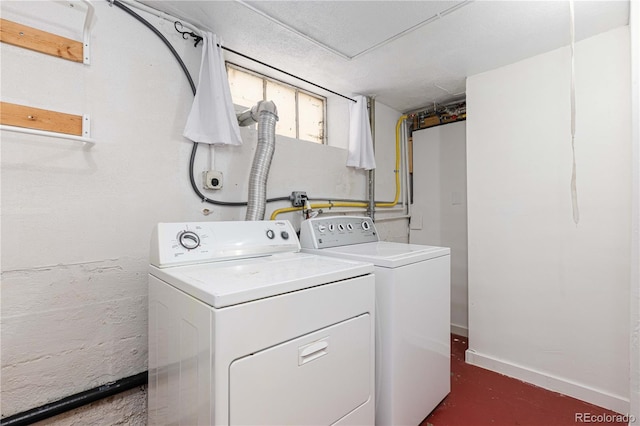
(40, 119)
(40, 41)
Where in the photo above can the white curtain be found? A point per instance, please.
(212, 118)
(361, 153)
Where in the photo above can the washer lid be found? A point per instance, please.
(227, 283)
(384, 253)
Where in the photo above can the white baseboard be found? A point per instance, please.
(550, 382)
(459, 330)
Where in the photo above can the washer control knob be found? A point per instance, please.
(270, 234)
(340, 227)
(349, 227)
(332, 227)
(365, 225)
(284, 235)
(189, 240)
(322, 228)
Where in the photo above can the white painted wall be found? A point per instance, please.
(549, 300)
(76, 220)
(439, 214)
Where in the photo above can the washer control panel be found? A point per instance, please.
(335, 231)
(174, 244)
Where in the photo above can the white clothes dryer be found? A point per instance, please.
(246, 330)
(413, 344)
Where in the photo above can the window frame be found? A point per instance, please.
(297, 90)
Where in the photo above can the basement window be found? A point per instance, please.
(301, 114)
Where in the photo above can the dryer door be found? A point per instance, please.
(315, 379)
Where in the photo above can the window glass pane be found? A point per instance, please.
(300, 115)
(310, 118)
(246, 89)
(285, 99)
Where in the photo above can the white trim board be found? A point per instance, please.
(550, 382)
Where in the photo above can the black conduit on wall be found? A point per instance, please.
(74, 401)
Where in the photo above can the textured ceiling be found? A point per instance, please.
(352, 28)
(408, 54)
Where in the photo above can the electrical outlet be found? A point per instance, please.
(298, 198)
(212, 179)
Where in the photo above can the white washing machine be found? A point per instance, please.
(413, 313)
(246, 330)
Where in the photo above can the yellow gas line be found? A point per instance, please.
(330, 205)
(397, 169)
(318, 206)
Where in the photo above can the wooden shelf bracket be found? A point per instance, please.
(41, 122)
(51, 44)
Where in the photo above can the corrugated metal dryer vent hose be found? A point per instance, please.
(267, 118)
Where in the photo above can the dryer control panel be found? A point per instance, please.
(335, 231)
(174, 244)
